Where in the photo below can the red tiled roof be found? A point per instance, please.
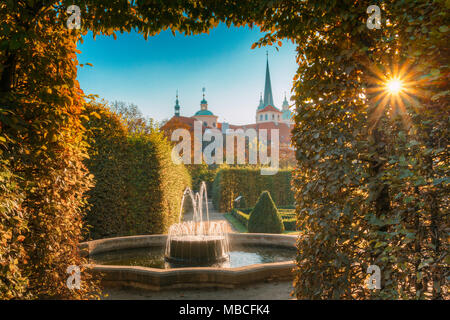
(269, 108)
(180, 119)
(284, 129)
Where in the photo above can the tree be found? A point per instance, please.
(135, 120)
(264, 217)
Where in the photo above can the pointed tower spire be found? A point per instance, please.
(268, 97)
(177, 107)
(285, 102)
(204, 103)
(261, 102)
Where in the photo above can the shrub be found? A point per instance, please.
(241, 216)
(265, 217)
(287, 215)
(230, 183)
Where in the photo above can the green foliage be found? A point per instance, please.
(135, 121)
(287, 215)
(42, 140)
(240, 216)
(13, 223)
(242, 203)
(137, 186)
(290, 224)
(237, 224)
(264, 217)
(370, 184)
(200, 173)
(230, 183)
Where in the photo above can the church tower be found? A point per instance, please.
(267, 112)
(204, 115)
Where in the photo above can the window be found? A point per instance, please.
(205, 123)
(273, 116)
(278, 117)
(214, 124)
(260, 117)
(266, 116)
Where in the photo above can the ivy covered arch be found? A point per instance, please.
(370, 186)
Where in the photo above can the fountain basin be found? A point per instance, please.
(191, 277)
(197, 250)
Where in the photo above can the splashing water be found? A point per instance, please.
(198, 241)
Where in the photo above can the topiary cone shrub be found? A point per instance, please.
(265, 218)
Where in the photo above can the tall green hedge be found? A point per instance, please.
(13, 225)
(137, 186)
(42, 177)
(230, 183)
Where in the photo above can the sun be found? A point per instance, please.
(394, 90)
(394, 86)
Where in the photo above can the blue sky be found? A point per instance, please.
(148, 73)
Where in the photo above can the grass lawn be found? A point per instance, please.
(237, 225)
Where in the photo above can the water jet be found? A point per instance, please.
(198, 242)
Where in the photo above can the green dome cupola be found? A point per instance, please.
(203, 107)
(203, 113)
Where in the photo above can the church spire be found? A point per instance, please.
(261, 102)
(285, 103)
(177, 107)
(268, 97)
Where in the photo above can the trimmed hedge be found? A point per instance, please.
(137, 186)
(242, 217)
(287, 215)
(265, 218)
(290, 224)
(13, 227)
(230, 183)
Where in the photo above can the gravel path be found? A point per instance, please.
(259, 291)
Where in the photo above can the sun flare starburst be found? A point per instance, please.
(393, 91)
(394, 86)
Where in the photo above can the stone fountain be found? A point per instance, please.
(198, 242)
